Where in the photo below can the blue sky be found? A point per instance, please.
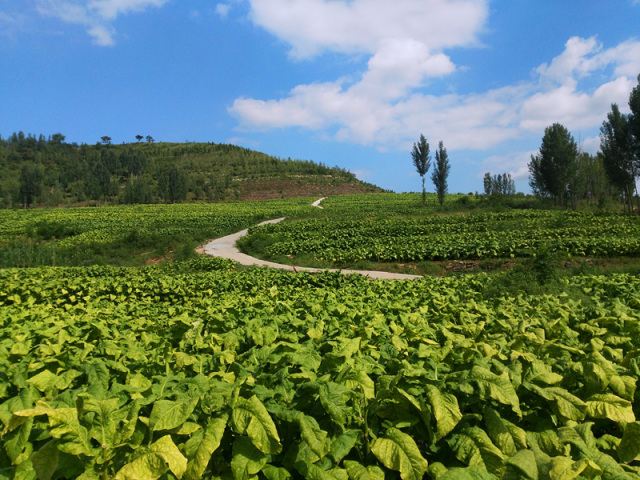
(351, 83)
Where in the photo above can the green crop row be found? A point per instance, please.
(488, 235)
(209, 372)
(120, 235)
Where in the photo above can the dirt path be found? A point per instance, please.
(225, 247)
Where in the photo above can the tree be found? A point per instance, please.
(552, 171)
(634, 119)
(149, 139)
(422, 162)
(487, 184)
(501, 184)
(137, 191)
(441, 172)
(57, 139)
(172, 185)
(106, 140)
(616, 145)
(139, 137)
(30, 184)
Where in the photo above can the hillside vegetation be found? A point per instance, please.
(50, 172)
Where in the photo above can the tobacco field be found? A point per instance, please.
(213, 372)
(200, 368)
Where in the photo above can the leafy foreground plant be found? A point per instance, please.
(184, 373)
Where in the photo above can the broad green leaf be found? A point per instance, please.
(45, 460)
(274, 473)
(201, 446)
(565, 404)
(496, 387)
(250, 417)
(358, 471)
(398, 451)
(610, 407)
(311, 433)
(436, 470)
(170, 414)
(162, 456)
(541, 374)
(44, 381)
(103, 426)
(16, 443)
(333, 398)
(342, 445)
(24, 471)
(313, 472)
(522, 465)
(473, 447)
(359, 381)
(629, 448)
(594, 462)
(498, 432)
(445, 410)
(469, 473)
(65, 426)
(247, 460)
(623, 386)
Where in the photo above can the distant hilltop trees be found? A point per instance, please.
(47, 171)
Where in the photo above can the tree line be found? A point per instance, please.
(49, 171)
(561, 172)
(422, 162)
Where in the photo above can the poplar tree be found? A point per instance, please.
(441, 172)
(422, 162)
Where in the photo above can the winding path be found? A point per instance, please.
(225, 247)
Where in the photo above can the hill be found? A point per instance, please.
(50, 172)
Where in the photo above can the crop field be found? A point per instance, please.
(205, 369)
(369, 231)
(126, 234)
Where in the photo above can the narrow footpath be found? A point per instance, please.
(225, 247)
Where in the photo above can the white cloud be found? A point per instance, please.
(359, 26)
(223, 9)
(515, 163)
(387, 108)
(96, 16)
(102, 35)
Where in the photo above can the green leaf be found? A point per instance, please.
(629, 448)
(44, 381)
(565, 404)
(342, 445)
(247, 460)
(359, 381)
(610, 407)
(496, 387)
(16, 443)
(333, 398)
(473, 447)
(624, 386)
(45, 461)
(469, 473)
(274, 473)
(201, 446)
(398, 451)
(311, 433)
(65, 426)
(103, 426)
(250, 417)
(522, 465)
(445, 410)
(498, 432)
(163, 455)
(357, 471)
(169, 414)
